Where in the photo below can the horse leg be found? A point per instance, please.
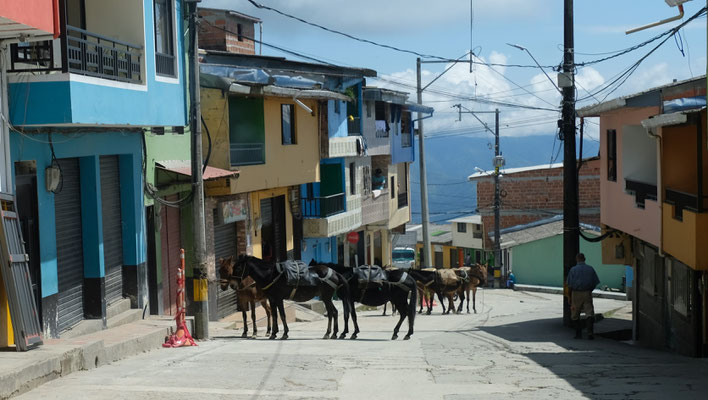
(335, 317)
(468, 299)
(267, 309)
(430, 297)
(354, 321)
(474, 300)
(345, 306)
(281, 308)
(385, 304)
(442, 302)
(451, 304)
(411, 314)
(274, 313)
(462, 301)
(420, 299)
(398, 325)
(329, 320)
(252, 304)
(245, 321)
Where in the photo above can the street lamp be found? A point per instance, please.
(522, 48)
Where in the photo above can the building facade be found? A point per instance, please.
(653, 174)
(113, 76)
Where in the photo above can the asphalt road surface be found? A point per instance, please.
(514, 347)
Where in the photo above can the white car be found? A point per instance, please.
(403, 257)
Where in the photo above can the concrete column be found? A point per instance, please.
(92, 235)
(386, 247)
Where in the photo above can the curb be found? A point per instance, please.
(556, 290)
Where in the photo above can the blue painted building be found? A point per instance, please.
(116, 74)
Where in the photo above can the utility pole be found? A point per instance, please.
(427, 253)
(199, 270)
(571, 220)
(498, 162)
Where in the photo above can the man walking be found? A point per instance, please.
(582, 279)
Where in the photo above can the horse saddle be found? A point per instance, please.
(297, 273)
(370, 275)
(447, 277)
(463, 273)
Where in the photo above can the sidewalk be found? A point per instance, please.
(23, 371)
(602, 294)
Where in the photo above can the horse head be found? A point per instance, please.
(482, 268)
(226, 270)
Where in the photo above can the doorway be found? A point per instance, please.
(273, 235)
(26, 188)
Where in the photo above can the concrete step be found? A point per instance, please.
(117, 307)
(126, 317)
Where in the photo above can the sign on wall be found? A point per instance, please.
(232, 211)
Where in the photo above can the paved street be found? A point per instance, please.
(512, 348)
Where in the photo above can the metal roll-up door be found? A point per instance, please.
(225, 247)
(70, 258)
(170, 246)
(112, 227)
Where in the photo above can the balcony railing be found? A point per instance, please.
(95, 55)
(477, 235)
(165, 64)
(406, 139)
(641, 191)
(682, 200)
(354, 126)
(87, 53)
(402, 199)
(323, 207)
(247, 153)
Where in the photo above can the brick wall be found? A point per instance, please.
(213, 33)
(538, 194)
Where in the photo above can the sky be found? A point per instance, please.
(448, 29)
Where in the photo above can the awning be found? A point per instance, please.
(676, 118)
(419, 108)
(184, 167)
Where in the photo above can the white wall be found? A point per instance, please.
(638, 154)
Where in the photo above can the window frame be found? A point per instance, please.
(393, 187)
(612, 155)
(352, 178)
(292, 137)
(170, 35)
(461, 227)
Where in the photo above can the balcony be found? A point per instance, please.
(350, 146)
(247, 154)
(685, 231)
(335, 224)
(641, 191)
(402, 199)
(375, 209)
(86, 53)
(323, 207)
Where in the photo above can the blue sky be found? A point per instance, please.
(442, 28)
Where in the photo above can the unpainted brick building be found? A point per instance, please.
(227, 30)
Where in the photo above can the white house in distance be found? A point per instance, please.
(468, 234)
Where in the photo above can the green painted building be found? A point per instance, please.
(535, 255)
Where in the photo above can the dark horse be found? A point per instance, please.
(428, 283)
(276, 288)
(395, 290)
(247, 294)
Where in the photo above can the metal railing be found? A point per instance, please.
(92, 54)
(354, 126)
(323, 207)
(165, 64)
(402, 199)
(641, 191)
(406, 139)
(684, 201)
(86, 53)
(247, 153)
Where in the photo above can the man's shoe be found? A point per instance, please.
(591, 334)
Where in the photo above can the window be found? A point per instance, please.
(337, 107)
(287, 112)
(368, 109)
(164, 43)
(461, 227)
(393, 187)
(239, 32)
(366, 172)
(352, 178)
(612, 155)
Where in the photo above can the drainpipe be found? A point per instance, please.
(6, 179)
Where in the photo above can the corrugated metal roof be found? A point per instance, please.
(184, 167)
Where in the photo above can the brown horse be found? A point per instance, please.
(247, 294)
(476, 276)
